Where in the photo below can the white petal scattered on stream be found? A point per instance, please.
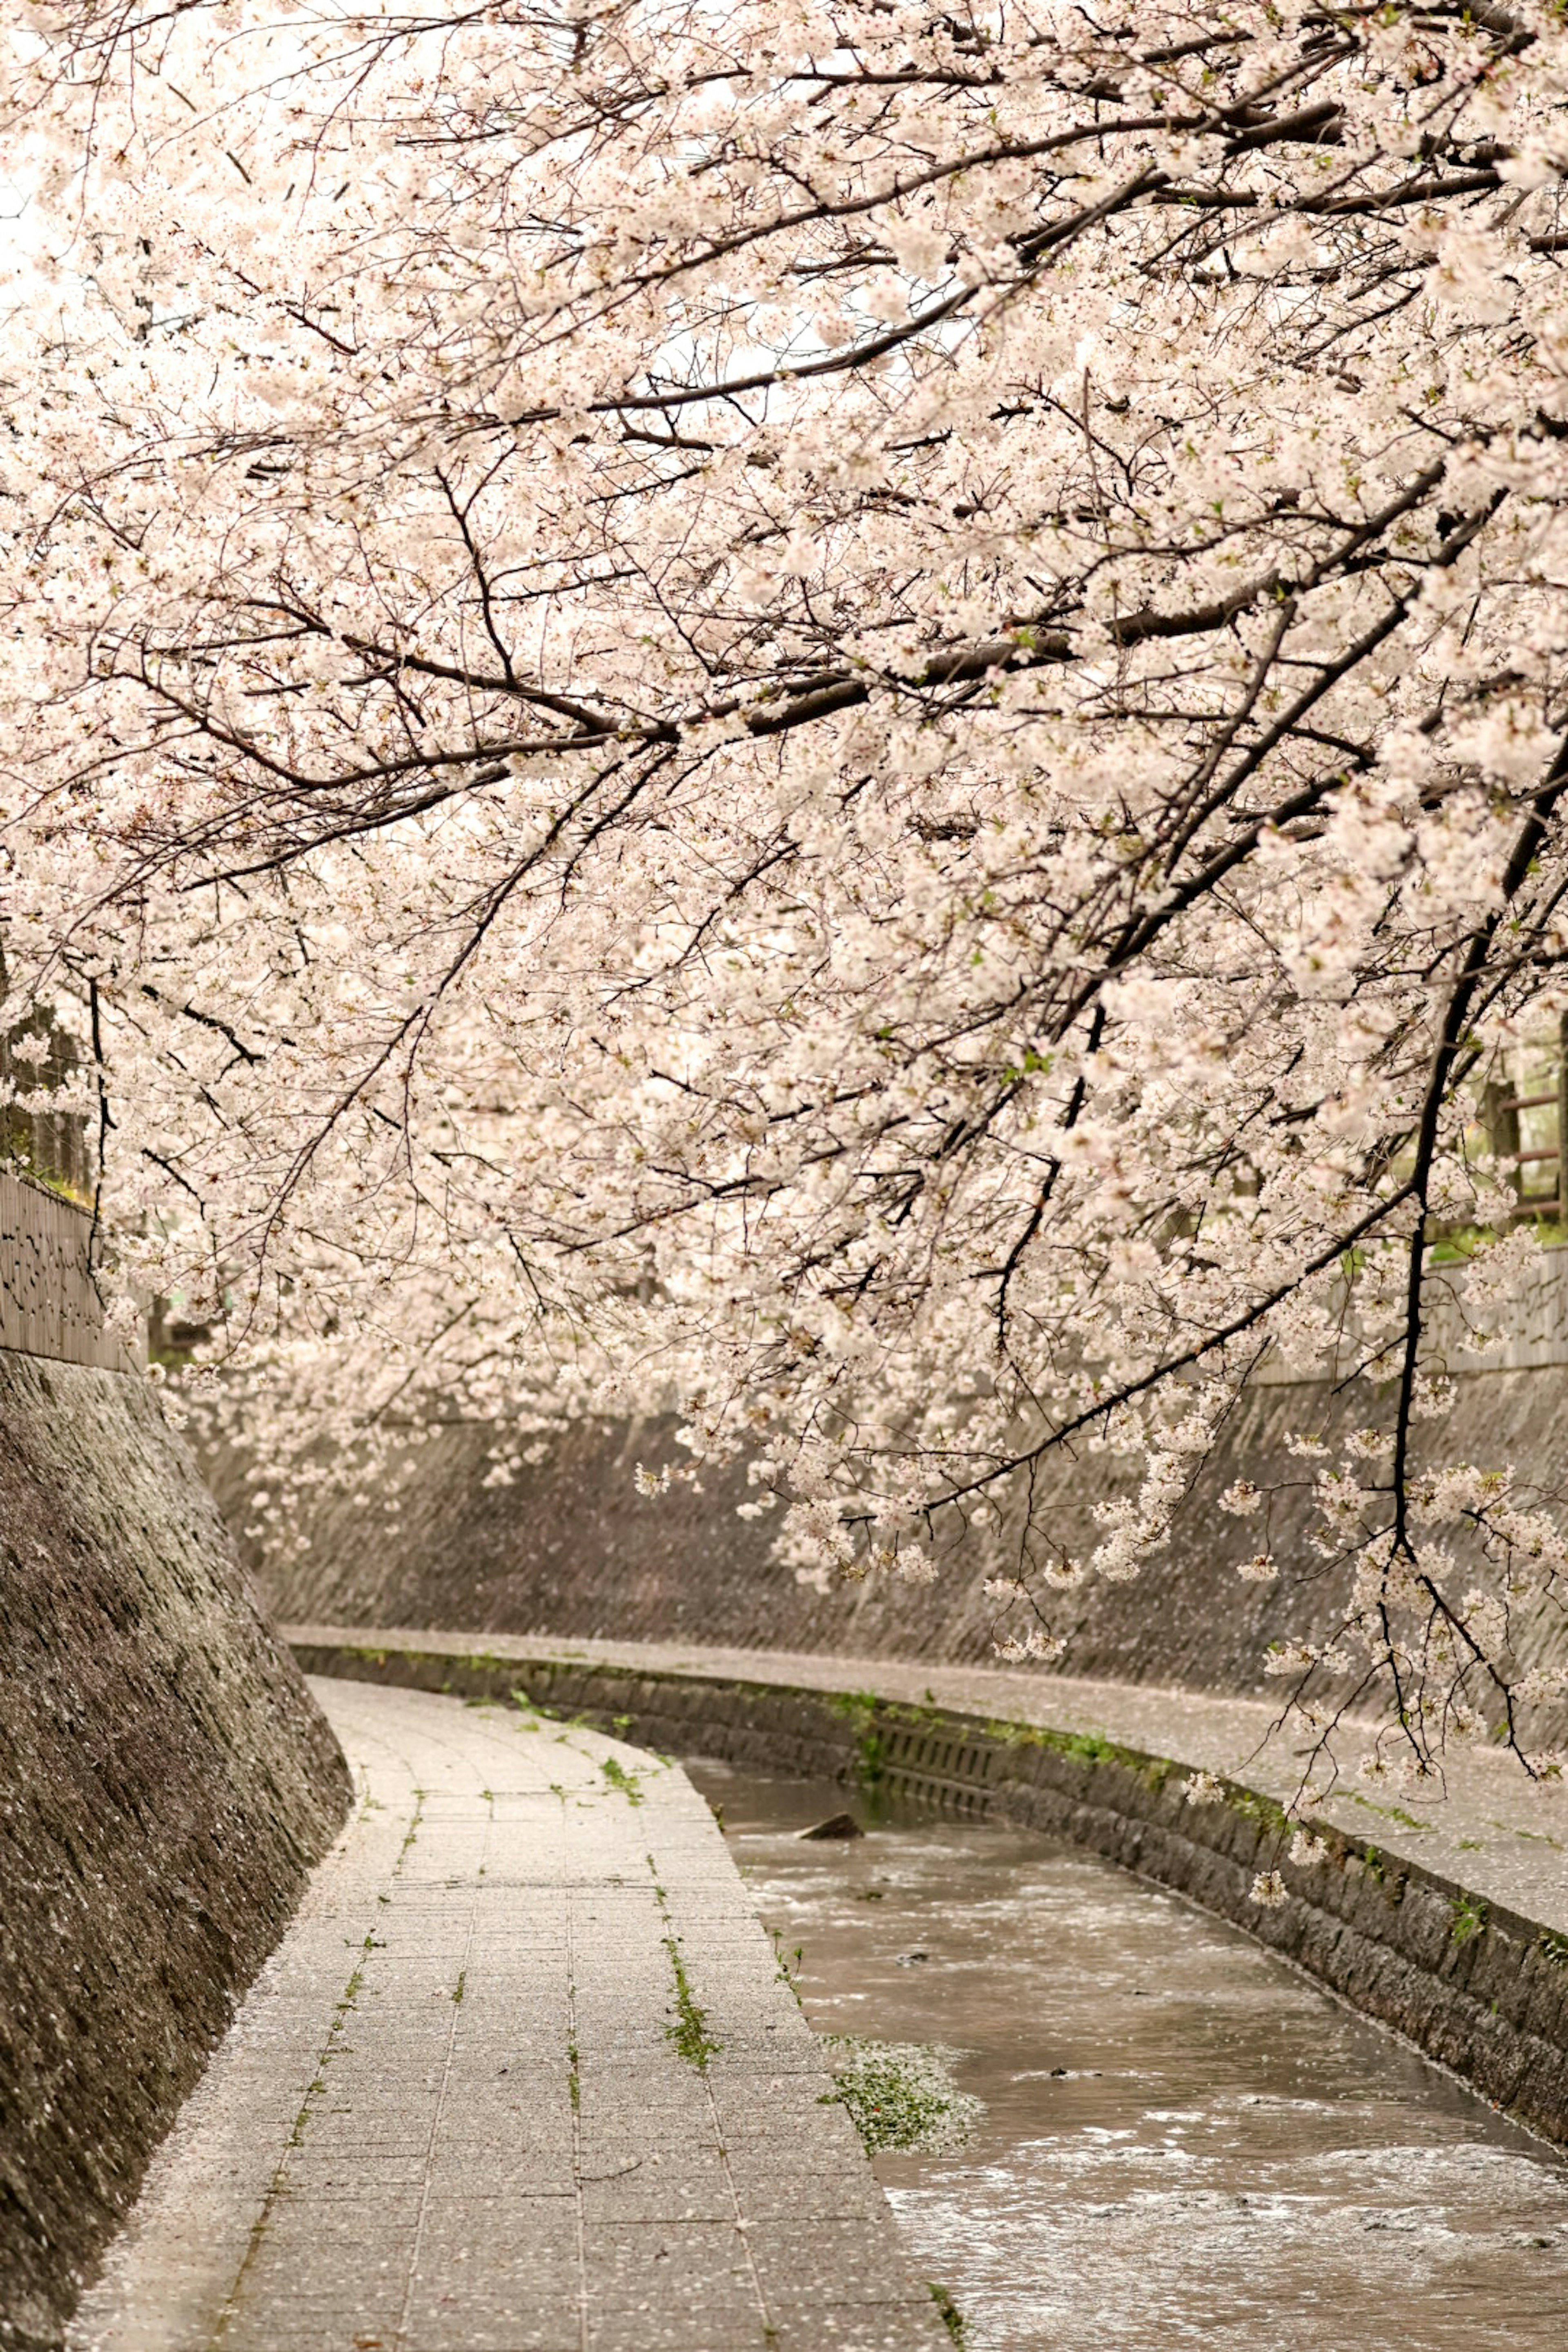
(1180, 2140)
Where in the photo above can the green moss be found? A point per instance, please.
(851, 1706)
(628, 1783)
(924, 1718)
(948, 2312)
(526, 1704)
(1390, 1813)
(415, 1819)
(1016, 1735)
(1092, 1749)
(1469, 1918)
(787, 1974)
(872, 1718)
(49, 1178)
(689, 2031)
(860, 1710)
(1261, 1810)
(900, 2095)
(1088, 1747)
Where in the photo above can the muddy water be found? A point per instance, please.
(1184, 2141)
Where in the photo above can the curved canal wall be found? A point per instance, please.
(166, 1782)
(1475, 1983)
(571, 1548)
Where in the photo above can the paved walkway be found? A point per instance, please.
(522, 2077)
(1493, 1831)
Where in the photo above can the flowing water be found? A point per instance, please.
(1184, 2141)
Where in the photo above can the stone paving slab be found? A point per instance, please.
(472, 2106)
(1491, 1830)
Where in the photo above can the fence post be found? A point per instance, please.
(1500, 1116)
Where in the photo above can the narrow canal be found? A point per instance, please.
(1160, 2134)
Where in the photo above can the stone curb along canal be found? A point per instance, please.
(1474, 1985)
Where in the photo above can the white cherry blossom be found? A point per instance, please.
(850, 720)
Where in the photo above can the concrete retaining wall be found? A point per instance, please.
(48, 1306)
(1481, 1988)
(166, 1782)
(572, 1550)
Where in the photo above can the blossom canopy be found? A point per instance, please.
(850, 712)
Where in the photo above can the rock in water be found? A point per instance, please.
(837, 1826)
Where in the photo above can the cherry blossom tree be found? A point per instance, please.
(848, 714)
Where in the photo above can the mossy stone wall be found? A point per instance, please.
(166, 1782)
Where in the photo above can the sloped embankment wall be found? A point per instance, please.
(571, 1548)
(165, 1783)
